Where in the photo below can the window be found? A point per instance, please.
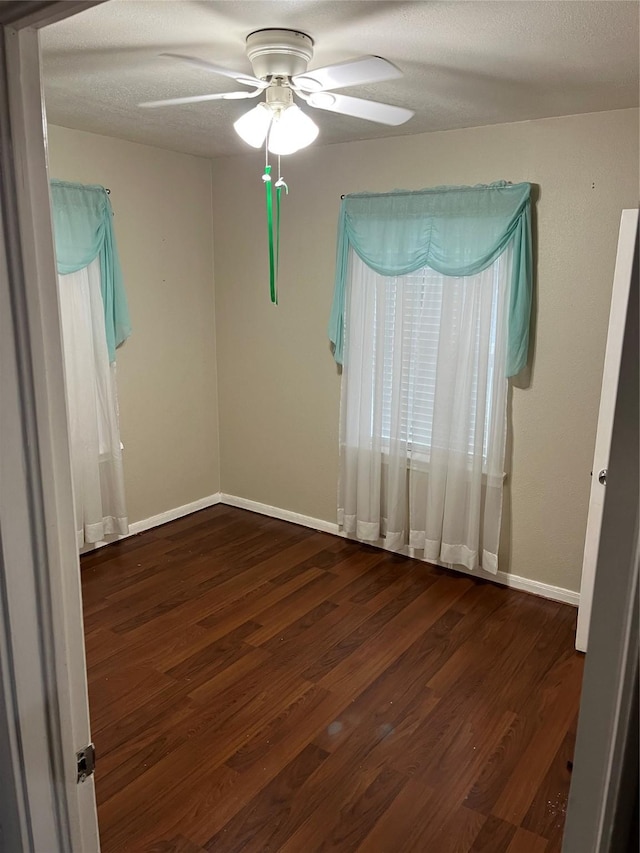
(431, 343)
(426, 356)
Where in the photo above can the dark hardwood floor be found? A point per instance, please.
(258, 686)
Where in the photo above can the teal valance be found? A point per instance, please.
(83, 230)
(456, 231)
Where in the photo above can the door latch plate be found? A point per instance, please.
(85, 762)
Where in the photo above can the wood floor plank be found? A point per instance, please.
(275, 754)
(156, 792)
(262, 816)
(170, 807)
(204, 817)
(495, 836)
(556, 711)
(460, 832)
(557, 631)
(397, 701)
(500, 764)
(141, 741)
(332, 554)
(177, 844)
(384, 572)
(157, 549)
(341, 825)
(247, 607)
(148, 648)
(111, 693)
(259, 686)
(203, 664)
(320, 640)
(385, 594)
(373, 656)
(278, 617)
(230, 569)
(209, 605)
(304, 709)
(515, 624)
(344, 777)
(523, 694)
(205, 739)
(339, 776)
(527, 842)
(298, 628)
(448, 797)
(395, 824)
(548, 810)
(363, 630)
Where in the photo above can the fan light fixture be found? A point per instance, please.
(279, 60)
(288, 129)
(253, 126)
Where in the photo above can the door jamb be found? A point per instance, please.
(44, 697)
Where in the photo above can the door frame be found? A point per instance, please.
(610, 380)
(43, 685)
(603, 799)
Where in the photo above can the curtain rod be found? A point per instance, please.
(495, 185)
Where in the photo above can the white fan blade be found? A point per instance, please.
(360, 108)
(197, 99)
(369, 69)
(245, 79)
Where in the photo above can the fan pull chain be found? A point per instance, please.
(280, 185)
(273, 228)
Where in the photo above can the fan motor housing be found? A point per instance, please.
(279, 53)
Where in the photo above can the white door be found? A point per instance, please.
(617, 315)
(44, 715)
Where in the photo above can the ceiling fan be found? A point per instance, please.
(279, 59)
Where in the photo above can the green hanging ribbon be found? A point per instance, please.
(273, 229)
(272, 267)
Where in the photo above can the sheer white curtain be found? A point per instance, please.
(423, 412)
(96, 451)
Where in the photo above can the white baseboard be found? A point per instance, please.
(282, 514)
(172, 514)
(157, 520)
(544, 590)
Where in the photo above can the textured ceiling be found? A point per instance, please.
(465, 63)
